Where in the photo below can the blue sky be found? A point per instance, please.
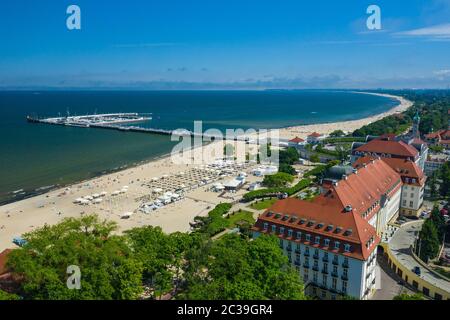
(204, 44)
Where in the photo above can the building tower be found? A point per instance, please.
(416, 123)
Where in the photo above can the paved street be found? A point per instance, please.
(389, 282)
(400, 244)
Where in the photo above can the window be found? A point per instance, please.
(411, 203)
(274, 228)
(347, 247)
(324, 294)
(335, 269)
(315, 276)
(327, 242)
(307, 250)
(324, 280)
(266, 226)
(334, 283)
(290, 233)
(299, 235)
(336, 244)
(317, 240)
(316, 264)
(308, 237)
(404, 203)
(305, 274)
(325, 267)
(344, 286)
(412, 195)
(336, 258)
(281, 230)
(345, 273)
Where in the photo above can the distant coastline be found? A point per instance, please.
(302, 131)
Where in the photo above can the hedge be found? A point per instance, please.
(271, 192)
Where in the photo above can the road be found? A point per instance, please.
(400, 244)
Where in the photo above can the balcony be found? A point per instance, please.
(325, 271)
(344, 277)
(306, 254)
(334, 274)
(325, 259)
(289, 248)
(316, 268)
(297, 263)
(345, 264)
(316, 256)
(306, 264)
(335, 262)
(298, 251)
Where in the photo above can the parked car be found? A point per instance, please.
(416, 270)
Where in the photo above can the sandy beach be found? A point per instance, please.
(24, 216)
(347, 126)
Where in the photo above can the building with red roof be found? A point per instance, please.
(315, 137)
(439, 138)
(413, 182)
(296, 142)
(332, 240)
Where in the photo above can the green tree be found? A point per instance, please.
(439, 222)
(280, 179)
(108, 270)
(314, 158)
(286, 168)
(160, 254)
(236, 268)
(337, 133)
(428, 241)
(405, 296)
(8, 296)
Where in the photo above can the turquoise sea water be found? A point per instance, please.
(33, 156)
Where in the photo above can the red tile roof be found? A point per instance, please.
(397, 148)
(358, 192)
(405, 168)
(315, 134)
(297, 140)
(3, 260)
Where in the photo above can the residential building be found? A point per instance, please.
(439, 138)
(413, 183)
(386, 147)
(296, 142)
(332, 240)
(315, 138)
(435, 162)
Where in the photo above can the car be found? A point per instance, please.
(416, 270)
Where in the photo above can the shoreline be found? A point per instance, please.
(302, 131)
(51, 206)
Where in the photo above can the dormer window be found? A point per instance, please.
(281, 230)
(327, 242)
(317, 240)
(347, 247)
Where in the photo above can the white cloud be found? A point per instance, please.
(441, 31)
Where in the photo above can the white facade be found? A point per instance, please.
(412, 199)
(328, 275)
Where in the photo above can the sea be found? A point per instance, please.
(37, 157)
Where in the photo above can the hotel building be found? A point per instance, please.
(332, 240)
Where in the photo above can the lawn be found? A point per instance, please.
(241, 216)
(263, 204)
